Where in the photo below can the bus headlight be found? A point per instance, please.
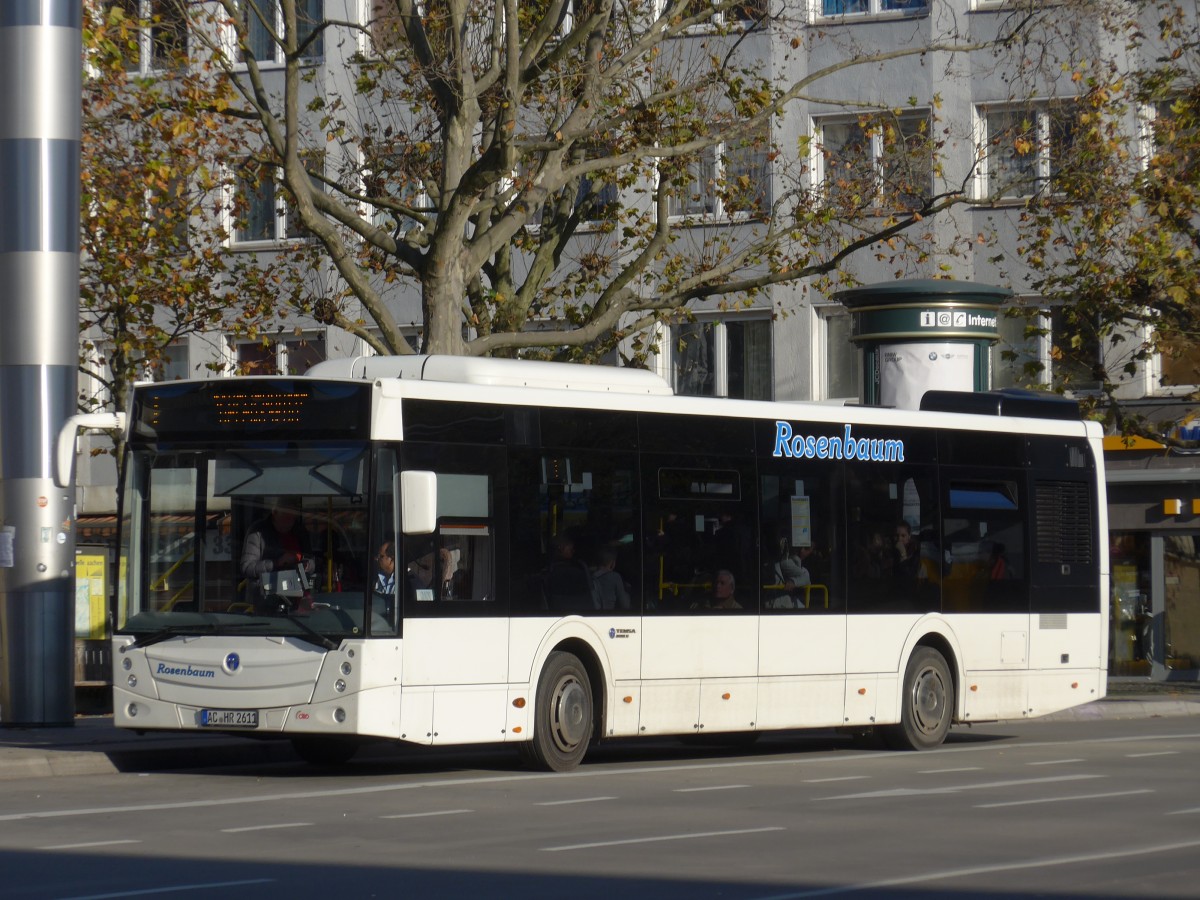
(346, 668)
(131, 710)
(131, 680)
(339, 685)
(339, 715)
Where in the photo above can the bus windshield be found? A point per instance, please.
(267, 538)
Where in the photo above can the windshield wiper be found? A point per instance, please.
(310, 633)
(170, 631)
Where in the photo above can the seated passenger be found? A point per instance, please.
(424, 575)
(722, 593)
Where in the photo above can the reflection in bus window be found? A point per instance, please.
(456, 562)
(575, 550)
(801, 536)
(984, 535)
(698, 522)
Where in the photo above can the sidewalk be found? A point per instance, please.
(93, 746)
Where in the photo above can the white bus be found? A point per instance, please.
(578, 554)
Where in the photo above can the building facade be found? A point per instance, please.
(987, 126)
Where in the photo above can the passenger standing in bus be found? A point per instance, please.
(608, 587)
(907, 553)
(278, 542)
(567, 582)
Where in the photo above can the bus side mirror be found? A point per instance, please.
(418, 502)
(64, 461)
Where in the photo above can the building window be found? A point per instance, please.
(396, 189)
(871, 7)
(171, 365)
(744, 14)
(385, 28)
(262, 20)
(1019, 358)
(160, 39)
(261, 209)
(255, 209)
(1053, 349)
(843, 362)
(597, 197)
(728, 180)
(1025, 150)
(1178, 364)
(883, 160)
(291, 356)
(722, 359)
(167, 211)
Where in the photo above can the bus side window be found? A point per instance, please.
(895, 505)
(984, 534)
(457, 562)
(801, 533)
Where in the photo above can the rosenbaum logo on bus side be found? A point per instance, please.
(808, 446)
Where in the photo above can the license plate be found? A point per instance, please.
(229, 718)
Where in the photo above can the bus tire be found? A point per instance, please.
(325, 751)
(927, 705)
(562, 715)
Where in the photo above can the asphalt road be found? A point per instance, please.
(1106, 808)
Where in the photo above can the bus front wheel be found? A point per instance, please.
(562, 716)
(927, 705)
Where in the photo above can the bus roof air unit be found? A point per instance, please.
(1004, 402)
(499, 372)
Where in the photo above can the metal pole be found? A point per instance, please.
(41, 70)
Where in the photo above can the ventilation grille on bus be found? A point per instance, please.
(1064, 516)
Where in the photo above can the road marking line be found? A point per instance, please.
(827, 780)
(1184, 812)
(950, 771)
(1055, 762)
(1062, 799)
(87, 844)
(975, 871)
(665, 837)
(715, 787)
(954, 789)
(266, 827)
(569, 802)
(1158, 753)
(173, 888)
(421, 815)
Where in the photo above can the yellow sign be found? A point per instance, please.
(91, 589)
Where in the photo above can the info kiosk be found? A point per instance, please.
(923, 335)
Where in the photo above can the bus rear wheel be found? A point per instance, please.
(927, 705)
(562, 715)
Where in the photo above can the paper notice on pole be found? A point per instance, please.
(7, 534)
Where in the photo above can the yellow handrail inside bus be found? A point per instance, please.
(162, 579)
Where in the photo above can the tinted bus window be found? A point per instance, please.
(803, 551)
(575, 542)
